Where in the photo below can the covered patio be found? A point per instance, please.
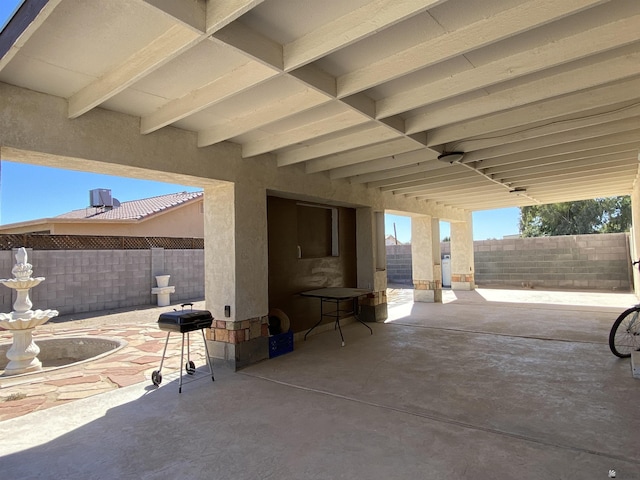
(285, 112)
(350, 110)
(475, 388)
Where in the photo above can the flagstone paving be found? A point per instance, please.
(23, 394)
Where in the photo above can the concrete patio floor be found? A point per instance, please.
(478, 387)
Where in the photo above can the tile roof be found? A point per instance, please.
(134, 209)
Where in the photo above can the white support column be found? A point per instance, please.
(437, 260)
(462, 269)
(365, 248)
(236, 273)
(219, 249)
(252, 251)
(427, 287)
(370, 277)
(635, 235)
(380, 249)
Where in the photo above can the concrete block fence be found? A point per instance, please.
(399, 269)
(590, 262)
(79, 281)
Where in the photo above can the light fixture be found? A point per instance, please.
(518, 190)
(450, 157)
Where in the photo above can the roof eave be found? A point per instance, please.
(24, 22)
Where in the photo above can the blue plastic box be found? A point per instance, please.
(280, 344)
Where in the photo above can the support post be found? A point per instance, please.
(427, 286)
(462, 268)
(236, 273)
(371, 276)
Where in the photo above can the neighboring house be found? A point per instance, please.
(391, 240)
(172, 215)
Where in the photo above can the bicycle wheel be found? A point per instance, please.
(624, 337)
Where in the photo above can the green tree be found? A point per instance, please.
(617, 214)
(600, 215)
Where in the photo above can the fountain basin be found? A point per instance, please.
(68, 351)
(22, 283)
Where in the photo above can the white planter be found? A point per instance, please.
(163, 280)
(163, 300)
(163, 294)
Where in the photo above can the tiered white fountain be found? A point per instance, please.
(23, 354)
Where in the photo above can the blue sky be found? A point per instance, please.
(28, 192)
(7, 7)
(487, 224)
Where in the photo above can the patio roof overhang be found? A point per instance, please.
(542, 97)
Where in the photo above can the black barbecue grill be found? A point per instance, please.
(184, 321)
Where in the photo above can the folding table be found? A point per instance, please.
(338, 296)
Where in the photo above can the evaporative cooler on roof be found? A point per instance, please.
(100, 197)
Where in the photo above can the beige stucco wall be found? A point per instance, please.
(36, 130)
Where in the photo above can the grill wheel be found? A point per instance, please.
(156, 378)
(190, 367)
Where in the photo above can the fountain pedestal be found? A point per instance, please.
(23, 354)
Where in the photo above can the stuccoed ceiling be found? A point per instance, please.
(542, 96)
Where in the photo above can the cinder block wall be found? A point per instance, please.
(186, 268)
(7, 260)
(79, 281)
(399, 269)
(593, 262)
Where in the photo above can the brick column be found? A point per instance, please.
(373, 307)
(234, 341)
(427, 291)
